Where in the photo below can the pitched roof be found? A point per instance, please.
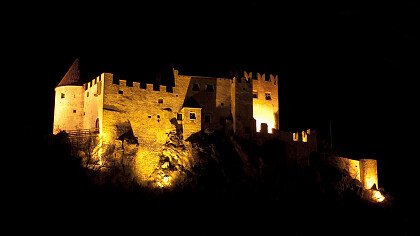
(72, 77)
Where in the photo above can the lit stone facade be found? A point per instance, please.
(364, 170)
(195, 103)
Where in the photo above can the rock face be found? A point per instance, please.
(169, 165)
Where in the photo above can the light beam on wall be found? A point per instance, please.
(264, 114)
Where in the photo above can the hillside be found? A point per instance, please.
(254, 191)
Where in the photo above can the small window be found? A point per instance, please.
(196, 87)
(222, 104)
(149, 116)
(209, 88)
(120, 92)
(63, 95)
(158, 116)
(267, 96)
(160, 100)
(74, 111)
(254, 94)
(179, 116)
(87, 94)
(192, 116)
(207, 118)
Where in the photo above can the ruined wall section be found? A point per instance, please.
(68, 108)
(299, 145)
(93, 104)
(149, 112)
(349, 165)
(242, 109)
(364, 170)
(368, 173)
(266, 101)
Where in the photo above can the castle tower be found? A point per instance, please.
(241, 108)
(265, 102)
(68, 108)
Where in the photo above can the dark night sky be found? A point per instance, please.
(353, 63)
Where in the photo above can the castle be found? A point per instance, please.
(248, 105)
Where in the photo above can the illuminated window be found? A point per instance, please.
(160, 100)
(304, 137)
(192, 116)
(63, 95)
(120, 92)
(196, 87)
(267, 96)
(295, 136)
(179, 116)
(254, 94)
(209, 88)
(207, 118)
(74, 111)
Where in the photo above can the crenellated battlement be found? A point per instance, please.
(93, 82)
(269, 78)
(134, 86)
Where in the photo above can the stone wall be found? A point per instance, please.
(93, 103)
(191, 125)
(211, 94)
(368, 173)
(364, 170)
(148, 111)
(242, 109)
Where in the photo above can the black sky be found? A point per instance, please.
(353, 63)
